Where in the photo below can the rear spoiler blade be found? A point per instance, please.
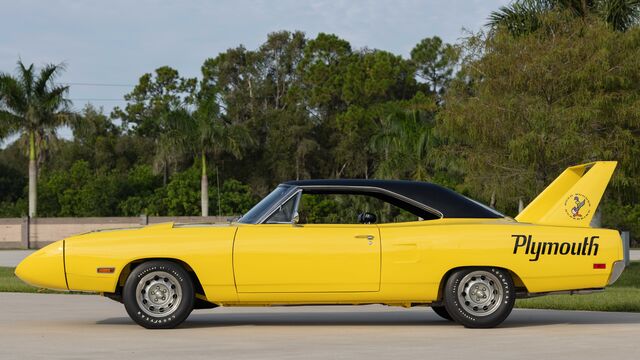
(572, 198)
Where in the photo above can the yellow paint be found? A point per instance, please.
(44, 268)
(402, 263)
(307, 258)
(553, 206)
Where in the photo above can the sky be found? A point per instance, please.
(107, 45)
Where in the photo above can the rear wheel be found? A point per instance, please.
(479, 297)
(442, 312)
(158, 294)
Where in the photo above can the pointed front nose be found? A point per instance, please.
(45, 268)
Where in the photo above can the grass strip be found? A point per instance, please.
(626, 299)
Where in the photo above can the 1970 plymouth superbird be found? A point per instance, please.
(350, 242)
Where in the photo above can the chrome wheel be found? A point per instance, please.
(158, 294)
(480, 293)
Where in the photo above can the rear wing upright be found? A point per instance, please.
(572, 198)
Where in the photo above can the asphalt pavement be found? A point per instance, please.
(13, 257)
(44, 326)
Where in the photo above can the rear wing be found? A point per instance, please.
(572, 198)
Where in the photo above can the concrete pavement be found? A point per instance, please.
(42, 326)
(13, 257)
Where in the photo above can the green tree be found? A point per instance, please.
(79, 191)
(435, 62)
(277, 60)
(404, 142)
(139, 192)
(208, 133)
(180, 196)
(525, 16)
(95, 138)
(289, 143)
(260, 90)
(288, 136)
(237, 198)
(374, 81)
(233, 77)
(374, 77)
(149, 108)
(322, 74)
(530, 106)
(4, 125)
(33, 106)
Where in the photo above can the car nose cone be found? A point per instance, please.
(44, 268)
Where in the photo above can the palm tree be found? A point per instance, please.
(32, 105)
(170, 142)
(382, 143)
(404, 145)
(206, 133)
(524, 16)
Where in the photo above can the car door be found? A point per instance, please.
(306, 258)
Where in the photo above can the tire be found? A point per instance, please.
(479, 297)
(442, 312)
(158, 294)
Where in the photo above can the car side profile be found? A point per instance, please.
(400, 243)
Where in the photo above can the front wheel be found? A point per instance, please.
(479, 297)
(158, 295)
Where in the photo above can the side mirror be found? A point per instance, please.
(295, 219)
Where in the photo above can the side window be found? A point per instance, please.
(350, 209)
(284, 213)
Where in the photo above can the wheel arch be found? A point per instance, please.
(517, 280)
(126, 270)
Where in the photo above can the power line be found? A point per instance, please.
(90, 99)
(97, 84)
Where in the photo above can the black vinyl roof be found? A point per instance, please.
(449, 203)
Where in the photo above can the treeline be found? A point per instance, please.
(497, 117)
(293, 108)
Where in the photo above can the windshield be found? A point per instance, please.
(252, 216)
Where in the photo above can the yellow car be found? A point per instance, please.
(350, 242)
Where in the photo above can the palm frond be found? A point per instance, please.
(53, 100)
(25, 77)
(14, 94)
(620, 14)
(524, 16)
(520, 17)
(9, 124)
(47, 74)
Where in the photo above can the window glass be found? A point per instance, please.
(345, 208)
(284, 214)
(264, 205)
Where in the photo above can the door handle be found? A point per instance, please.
(368, 237)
